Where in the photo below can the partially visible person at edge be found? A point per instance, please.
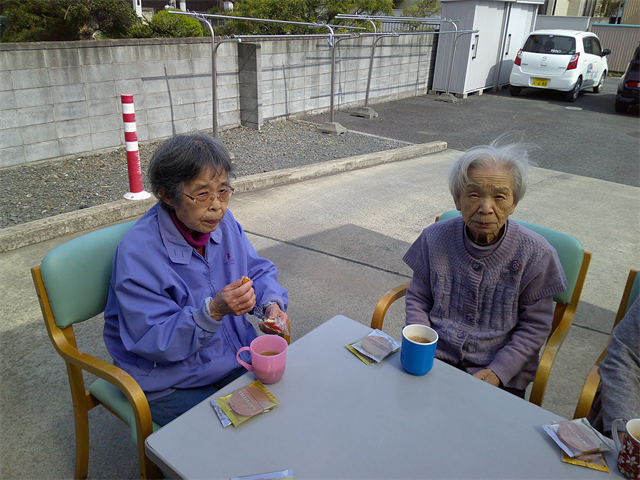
(176, 310)
(619, 394)
(484, 282)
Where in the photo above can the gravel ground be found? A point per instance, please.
(32, 192)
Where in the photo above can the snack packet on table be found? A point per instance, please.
(224, 420)
(595, 461)
(374, 347)
(578, 437)
(281, 475)
(246, 402)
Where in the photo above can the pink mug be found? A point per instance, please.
(629, 449)
(268, 358)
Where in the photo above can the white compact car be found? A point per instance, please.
(563, 60)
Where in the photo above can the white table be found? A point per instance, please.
(339, 418)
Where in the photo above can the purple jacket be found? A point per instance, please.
(156, 322)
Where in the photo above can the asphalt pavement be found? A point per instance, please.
(337, 236)
(583, 138)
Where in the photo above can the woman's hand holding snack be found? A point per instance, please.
(236, 298)
(275, 321)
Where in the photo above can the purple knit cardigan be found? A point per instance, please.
(495, 311)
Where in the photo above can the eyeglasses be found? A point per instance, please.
(206, 199)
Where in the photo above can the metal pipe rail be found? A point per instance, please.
(424, 21)
(269, 20)
(293, 36)
(384, 18)
(203, 18)
(367, 111)
(358, 35)
(214, 72)
(333, 40)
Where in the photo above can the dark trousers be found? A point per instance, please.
(169, 407)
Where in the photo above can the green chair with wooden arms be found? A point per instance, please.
(575, 263)
(588, 393)
(72, 283)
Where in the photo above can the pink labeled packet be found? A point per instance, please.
(578, 437)
(246, 402)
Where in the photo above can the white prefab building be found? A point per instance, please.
(482, 60)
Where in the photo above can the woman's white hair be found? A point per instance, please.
(512, 157)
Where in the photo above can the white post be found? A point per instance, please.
(137, 6)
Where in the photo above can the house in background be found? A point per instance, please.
(193, 5)
(625, 12)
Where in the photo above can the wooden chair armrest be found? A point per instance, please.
(549, 354)
(112, 374)
(588, 393)
(136, 397)
(385, 302)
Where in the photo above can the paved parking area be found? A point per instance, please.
(583, 138)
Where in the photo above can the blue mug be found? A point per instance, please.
(418, 348)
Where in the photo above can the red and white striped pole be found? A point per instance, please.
(133, 156)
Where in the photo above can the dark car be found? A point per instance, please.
(629, 87)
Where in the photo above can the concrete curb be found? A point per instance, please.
(30, 233)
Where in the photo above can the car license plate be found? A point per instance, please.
(540, 82)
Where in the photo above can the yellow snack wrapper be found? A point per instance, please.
(595, 461)
(365, 360)
(247, 402)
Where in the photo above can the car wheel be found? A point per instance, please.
(621, 107)
(514, 91)
(572, 95)
(598, 88)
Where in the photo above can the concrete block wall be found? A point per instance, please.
(63, 98)
(296, 74)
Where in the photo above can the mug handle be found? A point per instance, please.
(244, 364)
(614, 431)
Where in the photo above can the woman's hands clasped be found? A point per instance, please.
(237, 298)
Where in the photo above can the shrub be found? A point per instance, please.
(165, 24)
(113, 18)
(308, 11)
(59, 20)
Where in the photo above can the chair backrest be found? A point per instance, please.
(570, 252)
(635, 290)
(588, 393)
(629, 295)
(77, 273)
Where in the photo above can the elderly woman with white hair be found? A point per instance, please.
(483, 282)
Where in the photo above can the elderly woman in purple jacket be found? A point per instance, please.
(483, 282)
(176, 310)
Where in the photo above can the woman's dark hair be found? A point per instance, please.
(182, 159)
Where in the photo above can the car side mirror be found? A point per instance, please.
(606, 51)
